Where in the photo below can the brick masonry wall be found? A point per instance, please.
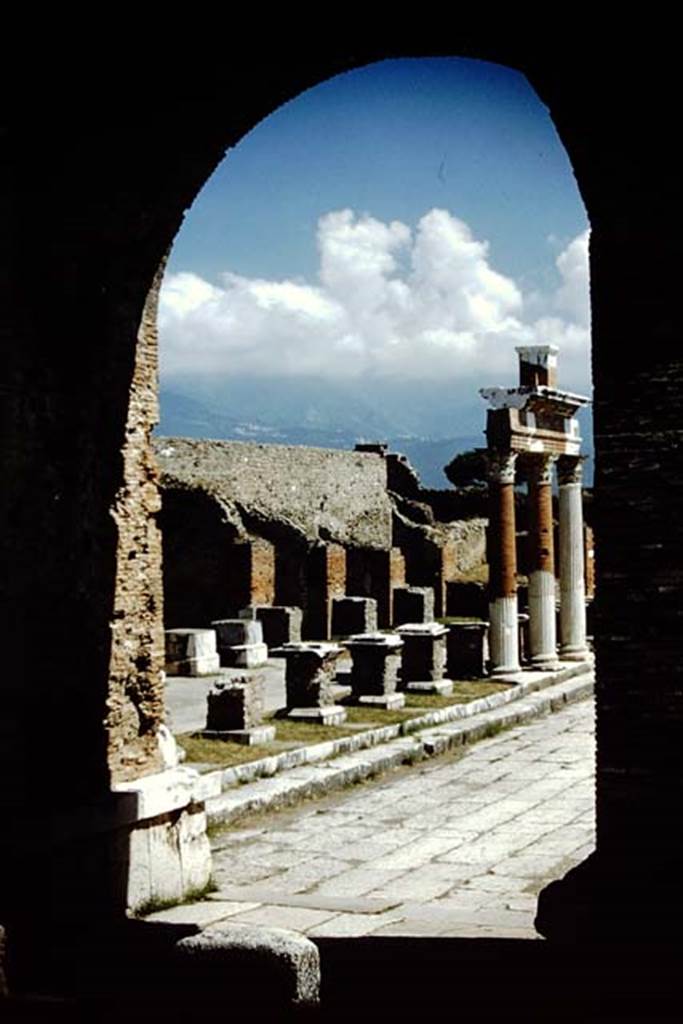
(326, 579)
(136, 699)
(262, 582)
(324, 494)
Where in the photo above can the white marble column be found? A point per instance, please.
(503, 633)
(572, 582)
(542, 618)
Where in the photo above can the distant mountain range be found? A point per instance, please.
(327, 414)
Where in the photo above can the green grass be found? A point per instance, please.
(291, 735)
(154, 905)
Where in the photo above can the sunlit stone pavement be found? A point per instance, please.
(456, 847)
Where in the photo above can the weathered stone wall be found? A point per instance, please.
(322, 494)
(136, 698)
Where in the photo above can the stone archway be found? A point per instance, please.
(87, 240)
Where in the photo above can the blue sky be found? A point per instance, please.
(414, 218)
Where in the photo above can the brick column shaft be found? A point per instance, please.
(502, 558)
(542, 629)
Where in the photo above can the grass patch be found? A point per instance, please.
(372, 717)
(154, 905)
(291, 735)
(305, 733)
(221, 752)
(463, 692)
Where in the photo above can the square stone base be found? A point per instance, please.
(330, 714)
(248, 737)
(205, 665)
(443, 687)
(245, 655)
(388, 701)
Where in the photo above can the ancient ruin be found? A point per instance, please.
(81, 546)
(534, 425)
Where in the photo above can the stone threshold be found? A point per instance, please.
(284, 779)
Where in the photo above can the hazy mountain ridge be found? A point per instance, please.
(303, 412)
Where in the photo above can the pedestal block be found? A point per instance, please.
(376, 659)
(467, 650)
(424, 655)
(281, 624)
(191, 652)
(235, 711)
(413, 604)
(309, 681)
(351, 615)
(240, 643)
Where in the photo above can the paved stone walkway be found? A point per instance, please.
(459, 846)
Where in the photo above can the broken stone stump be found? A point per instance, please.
(240, 643)
(467, 650)
(235, 711)
(413, 604)
(424, 658)
(376, 659)
(309, 682)
(281, 623)
(351, 615)
(191, 652)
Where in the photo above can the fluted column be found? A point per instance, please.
(542, 628)
(572, 582)
(503, 634)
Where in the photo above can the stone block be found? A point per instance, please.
(236, 632)
(281, 624)
(310, 673)
(254, 737)
(387, 701)
(244, 656)
(413, 604)
(191, 652)
(276, 967)
(441, 687)
(330, 714)
(467, 650)
(424, 652)
(375, 662)
(240, 643)
(353, 615)
(236, 703)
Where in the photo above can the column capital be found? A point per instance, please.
(538, 467)
(501, 466)
(570, 469)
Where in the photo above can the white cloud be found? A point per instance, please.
(389, 302)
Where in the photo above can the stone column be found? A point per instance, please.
(503, 638)
(572, 583)
(542, 629)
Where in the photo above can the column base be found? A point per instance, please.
(575, 654)
(504, 636)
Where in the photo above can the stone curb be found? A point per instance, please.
(318, 779)
(216, 782)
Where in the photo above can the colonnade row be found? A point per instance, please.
(503, 608)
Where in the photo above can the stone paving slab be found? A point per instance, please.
(371, 861)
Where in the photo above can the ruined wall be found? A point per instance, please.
(325, 580)
(375, 574)
(198, 541)
(321, 493)
(136, 699)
